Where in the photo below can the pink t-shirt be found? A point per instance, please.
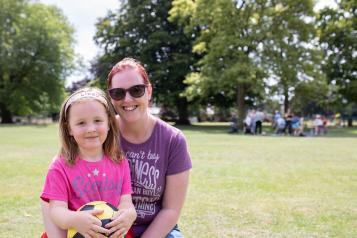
(86, 182)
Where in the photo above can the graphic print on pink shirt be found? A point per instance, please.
(86, 181)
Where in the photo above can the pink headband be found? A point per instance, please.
(87, 94)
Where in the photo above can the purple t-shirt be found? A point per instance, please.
(164, 153)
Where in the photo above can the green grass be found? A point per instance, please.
(240, 186)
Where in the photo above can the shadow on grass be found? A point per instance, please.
(206, 128)
(223, 128)
(341, 132)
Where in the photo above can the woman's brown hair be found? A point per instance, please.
(125, 64)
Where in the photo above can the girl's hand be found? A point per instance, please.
(121, 223)
(88, 225)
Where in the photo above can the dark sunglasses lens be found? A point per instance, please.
(117, 93)
(137, 91)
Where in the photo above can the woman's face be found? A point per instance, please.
(131, 109)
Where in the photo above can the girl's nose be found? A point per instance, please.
(91, 127)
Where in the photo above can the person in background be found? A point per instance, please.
(298, 125)
(252, 114)
(248, 123)
(280, 125)
(318, 125)
(302, 127)
(234, 123)
(276, 116)
(288, 122)
(337, 119)
(295, 124)
(259, 118)
(324, 124)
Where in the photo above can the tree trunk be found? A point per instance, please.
(182, 108)
(350, 122)
(6, 115)
(241, 105)
(286, 100)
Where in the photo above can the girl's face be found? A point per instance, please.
(131, 109)
(88, 124)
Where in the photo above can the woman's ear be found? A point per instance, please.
(117, 119)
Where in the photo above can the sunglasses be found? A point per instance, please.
(135, 91)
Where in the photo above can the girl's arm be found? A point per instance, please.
(124, 218)
(173, 200)
(84, 222)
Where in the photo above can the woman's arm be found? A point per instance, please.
(124, 218)
(51, 229)
(173, 200)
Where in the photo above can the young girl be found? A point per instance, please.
(89, 167)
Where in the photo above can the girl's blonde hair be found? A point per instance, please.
(69, 147)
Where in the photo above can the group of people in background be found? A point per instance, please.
(253, 122)
(282, 124)
(294, 125)
(288, 124)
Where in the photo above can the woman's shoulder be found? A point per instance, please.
(165, 126)
(166, 130)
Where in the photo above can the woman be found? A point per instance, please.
(157, 153)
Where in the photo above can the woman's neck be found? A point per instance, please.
(138, 132)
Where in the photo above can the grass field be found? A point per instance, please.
(240, 186)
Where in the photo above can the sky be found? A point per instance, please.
(83, 15)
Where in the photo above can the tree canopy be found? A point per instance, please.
(289, 50)
(221, 53)
(246, 44)
(141, 29)
(338, 39)
(36, 55)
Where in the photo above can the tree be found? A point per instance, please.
(141, 29)
(337, 31)
(227, 41)
(288, 49)
(312, 97)
(36, 55)
(338, 40)
(246, 44)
